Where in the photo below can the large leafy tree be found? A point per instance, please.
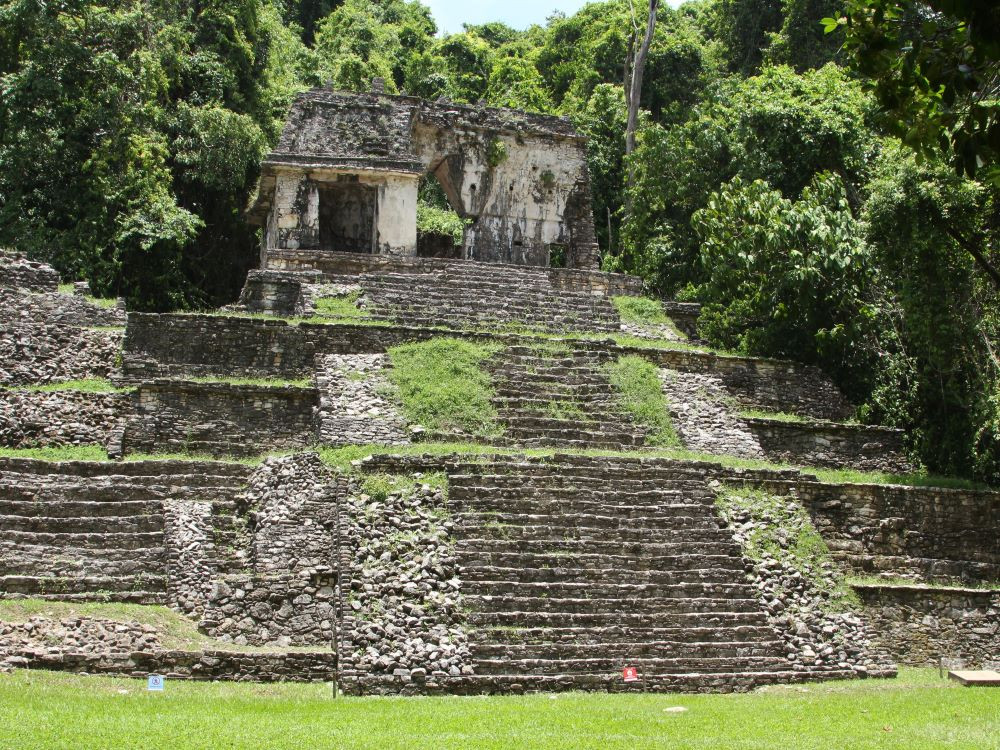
(936, 69)
(130, 135)
(779, 127)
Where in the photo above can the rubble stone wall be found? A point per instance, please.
(354, 406)
(31, 419)
(56, 308)
(765, 384)
(285, 594)
(21, 273)
(920, 626)
(35, 354)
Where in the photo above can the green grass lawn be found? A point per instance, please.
(42, 710)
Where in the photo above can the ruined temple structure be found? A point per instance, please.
(573, 543)
(345, 173)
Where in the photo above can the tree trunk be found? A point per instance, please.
(633, 83)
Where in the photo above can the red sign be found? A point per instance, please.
(630, 674)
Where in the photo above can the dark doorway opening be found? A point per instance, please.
(439, 227)
(347, 217)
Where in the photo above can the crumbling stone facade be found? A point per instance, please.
(344, 177)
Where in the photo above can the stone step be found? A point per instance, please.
(566, 519)
(525, 298)
(575, 439)
(575, 576)
(624, 619)
(549, 476)
(76, 525)
(697, 682)
(611, 590)
(511, 487)
(645, 664)
(471, 557)
(80, 509)
(571, 498)
(585, 535)
(540, 307)
(110, 540)
(544, 314)
(682, 648)
(546, 424)
(558, 509)
(482, 604)
(12, 551)
(738, 634)
(119, 492)
(620, 547)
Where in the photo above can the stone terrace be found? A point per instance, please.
(573, 568)
(547, 393)
(520, 573)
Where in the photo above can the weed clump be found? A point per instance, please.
(444, 387)
(640, 394)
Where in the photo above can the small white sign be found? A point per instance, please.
(155, 682)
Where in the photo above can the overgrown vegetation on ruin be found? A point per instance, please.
(762, 184)
(444, 387)
(341, 309)
(640, 393)
(88, 385)
(644, 312)
(777, 527)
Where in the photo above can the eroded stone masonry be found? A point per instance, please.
(425, 570)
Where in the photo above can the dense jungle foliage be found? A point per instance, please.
(820, 174)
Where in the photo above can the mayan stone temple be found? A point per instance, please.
(271, 473)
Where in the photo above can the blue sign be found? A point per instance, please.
(155, 682)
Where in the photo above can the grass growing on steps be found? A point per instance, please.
(916, 711)
(340, 457)
(899, 581)
(88, 385)
(58, 453)
(444, 387)
(637, 382)
(777, 416)
(105, 302)
(380, 486)
(781, 529)
(175, 630)
(268, 382)
(343, 308)
(566, 410)
(644, 312)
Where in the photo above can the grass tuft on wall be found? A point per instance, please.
(444, 387)
(640, 394)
